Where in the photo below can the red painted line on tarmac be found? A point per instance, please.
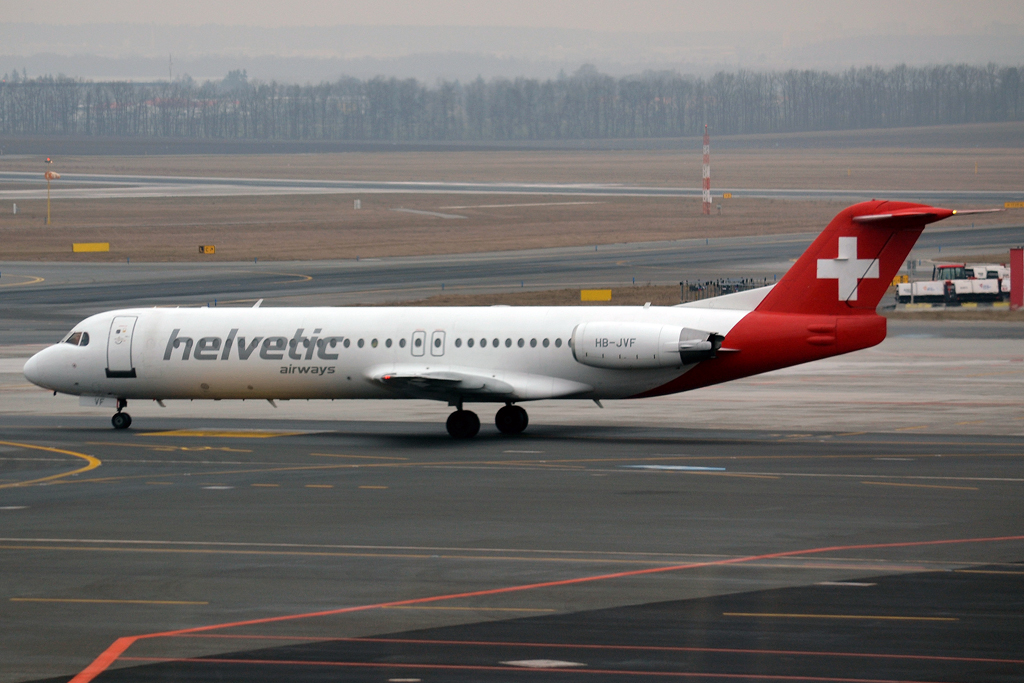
(523, 669)
(111, 654)
(584, 646)
(103, 662)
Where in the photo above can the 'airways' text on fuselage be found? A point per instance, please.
(299, 347)
(605, 342)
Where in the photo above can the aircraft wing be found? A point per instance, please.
(472, 383)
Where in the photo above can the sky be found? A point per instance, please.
(645, 16)
(315, 40)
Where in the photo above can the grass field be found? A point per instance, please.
(300, 227)
(327, 227)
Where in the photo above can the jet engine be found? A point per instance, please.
(634, 346)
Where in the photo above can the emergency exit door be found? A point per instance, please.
(437, 343)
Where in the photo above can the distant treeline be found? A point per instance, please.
(585, 105)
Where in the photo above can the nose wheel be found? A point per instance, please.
(463, 424)
(511, 419)
(121, 420)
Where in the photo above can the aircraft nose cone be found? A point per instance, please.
(34, 371)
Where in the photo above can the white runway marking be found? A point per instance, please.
(675, 468)
(853, 584)
(516, 206)
(543, 663)
(433, 214)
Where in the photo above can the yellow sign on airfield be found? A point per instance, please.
(207, 249)
(595, 295)
(78, 247)
(1013, 205)
(727, 195)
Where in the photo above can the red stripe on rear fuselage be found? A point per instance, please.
(762, 342)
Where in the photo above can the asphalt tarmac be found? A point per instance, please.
(853, 519)
(283, 550)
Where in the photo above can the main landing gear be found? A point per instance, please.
(121, 420)
(464, 424)
(511, 419)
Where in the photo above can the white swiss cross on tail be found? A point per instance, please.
(848, 269)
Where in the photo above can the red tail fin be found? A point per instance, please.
(848, 268)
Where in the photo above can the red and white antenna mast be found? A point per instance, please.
(706, 173)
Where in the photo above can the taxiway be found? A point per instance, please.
(852, 519)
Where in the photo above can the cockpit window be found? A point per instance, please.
(77, 339)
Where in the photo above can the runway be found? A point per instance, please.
(109, 186)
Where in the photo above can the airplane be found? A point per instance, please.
(823, 306)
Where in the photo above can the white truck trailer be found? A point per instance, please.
(956, 283)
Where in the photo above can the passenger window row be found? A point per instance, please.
(82, 339)
(471, 342)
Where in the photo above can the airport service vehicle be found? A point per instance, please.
(824, 306)
(954, 283)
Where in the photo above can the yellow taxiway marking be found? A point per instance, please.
(319, 486)
(361, 457)
(32, 280)
(972, 422)
(474, 609)
(907, 429)
(310, 553)
(93, 464)
(430, 556)
(113, 602)
(302, 278)
(769, 615)
(987, 571)
(373, 487)
(168, 447)
(920, 486)
(223, 433)
(434, 553)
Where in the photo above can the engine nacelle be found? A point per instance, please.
(634, 346)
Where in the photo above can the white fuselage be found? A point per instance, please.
(338, 353)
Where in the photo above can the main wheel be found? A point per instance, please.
(511, 420)
(463, 424)
(121, 420)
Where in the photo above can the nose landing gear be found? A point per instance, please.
(511, 419)
(121, 420)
